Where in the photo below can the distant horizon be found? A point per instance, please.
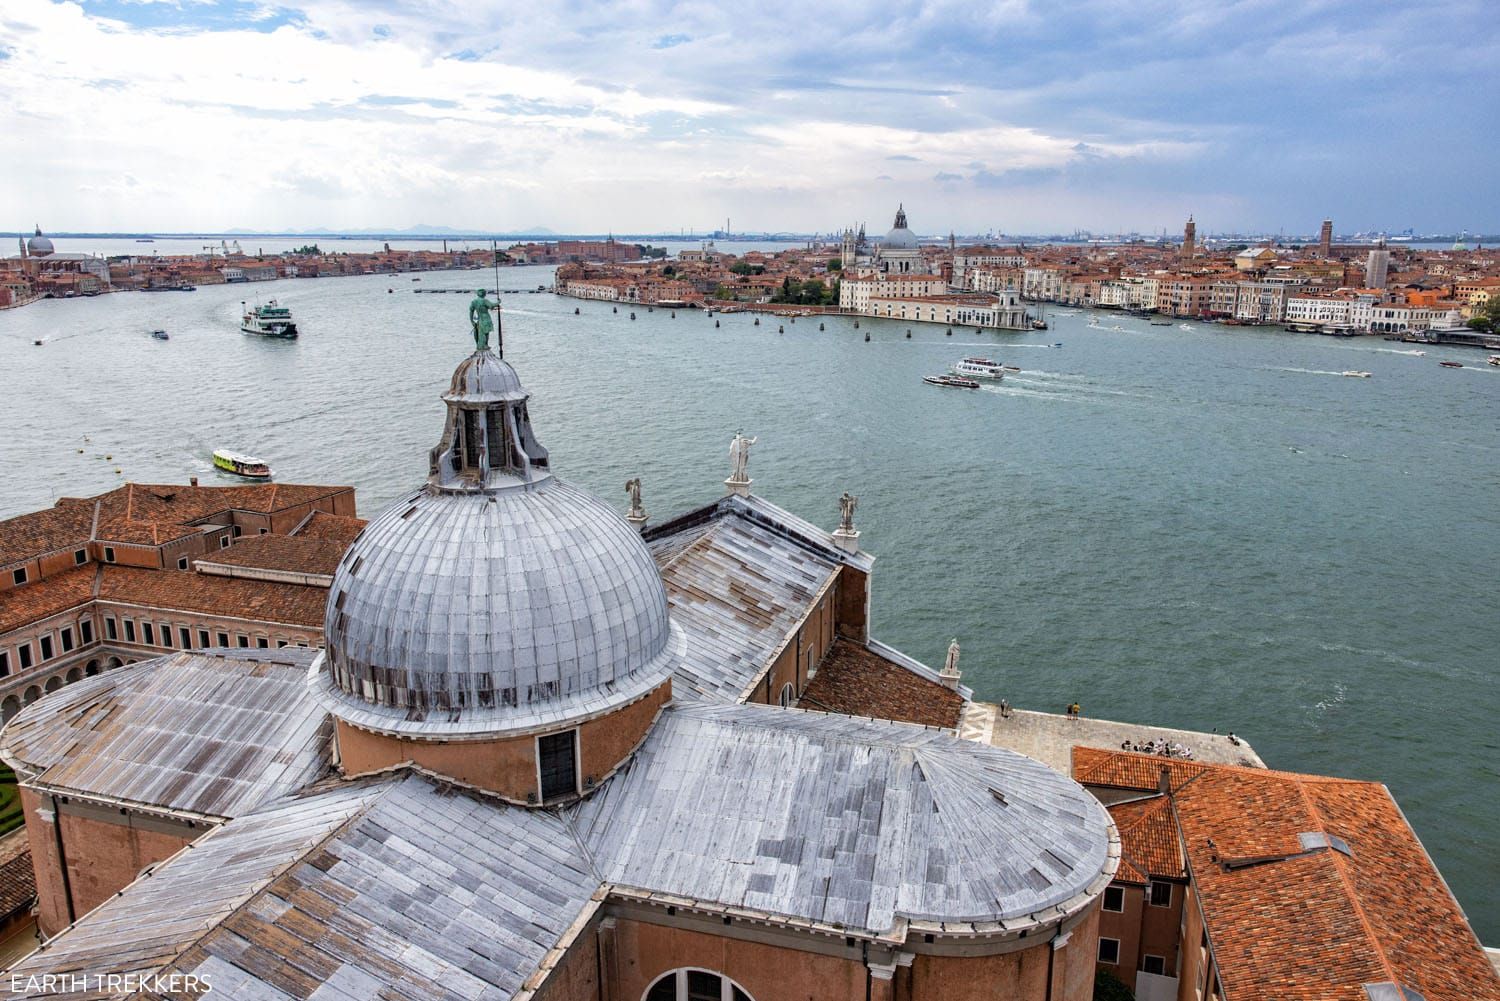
(435, 234)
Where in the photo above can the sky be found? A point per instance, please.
(1006, 116)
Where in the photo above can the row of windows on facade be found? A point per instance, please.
(148, 634)
(20, 575)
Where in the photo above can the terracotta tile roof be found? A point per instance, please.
(293, 554)
(183, 590)
(29, 535)
(1122, 770)
(17, 878)
(1149, 844)
(337, 527)
(143, 514)
(1297, 918)
(859, 682)
(45, 597)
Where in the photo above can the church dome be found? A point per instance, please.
(38, 245)
(497, 598)
(899, 238)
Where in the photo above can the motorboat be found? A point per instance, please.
(979, 368)
(160, 335)
(1494, 360)
(1354, 374)
(270, 320)
(1185, 326)
(1451, 364)
(241, 465)
(950, 381)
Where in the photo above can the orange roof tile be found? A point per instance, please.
(183, 590)
(1302, 920)
(855, 680)
(1148, 838)
(48, 596)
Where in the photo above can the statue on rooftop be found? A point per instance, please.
(950, 664)
(847, 503)
(479, 319)
(633, 488)
(739, 457)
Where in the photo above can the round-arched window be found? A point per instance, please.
(788, 695)
(694, 985)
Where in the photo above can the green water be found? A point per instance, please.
(1204, 528)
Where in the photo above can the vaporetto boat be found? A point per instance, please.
(979, 368)
(270, 320)
(241, 465)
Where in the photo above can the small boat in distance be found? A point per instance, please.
(979, 368)
(950, 381)
(241, 465)
(270, 320)
(1494, 360)
(1356, 375)
(169, 288)
(160, 335)
(1451, 364)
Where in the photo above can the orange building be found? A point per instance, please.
(1273, 885)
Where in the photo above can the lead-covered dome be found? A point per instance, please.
(899, 237)
(39, 245)
(496, 598)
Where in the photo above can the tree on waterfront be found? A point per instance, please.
(809, 293)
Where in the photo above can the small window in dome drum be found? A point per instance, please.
(557, 757)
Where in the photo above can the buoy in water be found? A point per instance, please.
(757, 321)
(632, 316)
(109, 458)
(674, 314)
(867, 337)
(716, 323)
(856, 324)
(615, 308)
(575, 310)
(80, 451)
(38, 343)
(950, 331)
(908, 335)
(820, 326)
(781, 330)
(389, 291)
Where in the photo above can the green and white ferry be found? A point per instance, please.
(241, 465)
(270, 320)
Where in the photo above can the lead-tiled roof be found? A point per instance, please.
(213, 734)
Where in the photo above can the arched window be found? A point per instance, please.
(694, 985)
(788, 695)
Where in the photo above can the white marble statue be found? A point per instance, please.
(847, 503)
(950, 665)
(739, 457)
(633, 488)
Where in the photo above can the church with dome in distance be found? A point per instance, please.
(551, 752)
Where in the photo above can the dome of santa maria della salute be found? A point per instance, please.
(496, 598)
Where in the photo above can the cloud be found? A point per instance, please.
(494, 115)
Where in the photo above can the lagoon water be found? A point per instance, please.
(1205, 528)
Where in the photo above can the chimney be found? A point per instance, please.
(192, 481)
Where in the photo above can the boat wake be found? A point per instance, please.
(1303, 371)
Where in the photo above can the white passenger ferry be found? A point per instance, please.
(270, 320)
(979, 368)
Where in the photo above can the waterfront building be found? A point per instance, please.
(1247, 883)
(547, 778)
(856, 293)
(999, 310)
(94, 583)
